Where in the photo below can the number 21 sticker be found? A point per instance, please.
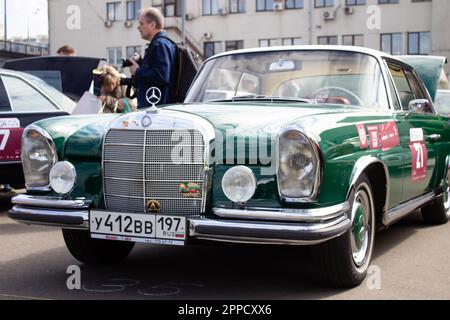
(419, 157)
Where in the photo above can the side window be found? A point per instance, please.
(415, 85)
(408, 86)
(24, 98)
(401, 83)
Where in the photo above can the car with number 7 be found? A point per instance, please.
(302, 145)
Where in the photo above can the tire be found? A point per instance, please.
(438, 212)
(344, 261)
(94, 251)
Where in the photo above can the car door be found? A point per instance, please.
(420, 132)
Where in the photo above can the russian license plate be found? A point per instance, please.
(146, 228)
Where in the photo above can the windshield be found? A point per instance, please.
(60, 99)
(334, 77)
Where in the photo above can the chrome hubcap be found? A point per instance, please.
(361, 231)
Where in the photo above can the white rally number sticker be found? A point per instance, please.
(419, 159)
(4, 136)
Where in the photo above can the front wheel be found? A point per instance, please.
(95, 251)
(344, 261)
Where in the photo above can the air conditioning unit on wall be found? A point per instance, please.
(278, 6)
(348, 10)
(328, 15)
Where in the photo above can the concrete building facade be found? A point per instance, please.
(107, 28)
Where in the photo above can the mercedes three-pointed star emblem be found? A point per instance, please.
(153, 96)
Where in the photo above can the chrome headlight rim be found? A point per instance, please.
(48, 139)
(315, 146)
(71, 168)
(246, 170)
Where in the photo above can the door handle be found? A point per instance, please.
(434, 137)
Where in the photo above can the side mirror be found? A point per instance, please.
(419, 106)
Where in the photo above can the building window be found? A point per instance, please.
(264, 5)
(324, 3)
(133, 8)
(234, 45)
(293, 4)
(212, 48)
(237, 6)
(268, 43)
(112, 11)
(355, 2)
(172, 8)
(353, 40)
(388, 1)
(330, 40)
(392, 43)
(210, 7)
(419, 43)
(132, 50)
(115, 56)
(292, 41)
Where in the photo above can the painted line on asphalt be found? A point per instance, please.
(23, 297)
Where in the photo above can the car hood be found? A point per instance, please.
(77, 136)
(257, 118)
(82, 136)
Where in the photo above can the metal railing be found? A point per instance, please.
(24, 48)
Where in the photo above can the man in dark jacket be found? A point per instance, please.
(158, 67)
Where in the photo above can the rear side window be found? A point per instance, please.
(24, 98)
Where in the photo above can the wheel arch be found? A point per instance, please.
(378, 174)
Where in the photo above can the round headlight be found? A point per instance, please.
(298, 166)
(239, 184)
(62, 177)
(38, 156)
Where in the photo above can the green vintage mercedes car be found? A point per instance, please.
(316, 145)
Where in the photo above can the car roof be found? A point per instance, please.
(356, 49)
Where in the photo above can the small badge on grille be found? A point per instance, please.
(146, 121)
(190, 189)
(153, 206)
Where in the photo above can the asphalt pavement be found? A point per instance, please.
(411, 261)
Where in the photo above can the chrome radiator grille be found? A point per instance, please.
(142, 166)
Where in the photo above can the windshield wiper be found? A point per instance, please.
(267, 98)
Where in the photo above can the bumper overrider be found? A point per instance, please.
(283, 226)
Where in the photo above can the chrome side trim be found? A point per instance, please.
(360, 166)
(266, 233)
(298, 215)
(406, 208)
(50, 202)
(315, 144)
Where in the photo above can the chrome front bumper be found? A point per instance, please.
(284, 226)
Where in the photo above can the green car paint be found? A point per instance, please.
(334, 126)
